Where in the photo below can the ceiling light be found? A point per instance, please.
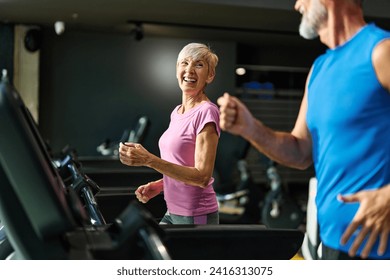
(59, 27)
(240, 71)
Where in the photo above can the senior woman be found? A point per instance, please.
(188, 147)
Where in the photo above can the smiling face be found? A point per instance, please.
(193, 75)
(314, 15)
(195, 68)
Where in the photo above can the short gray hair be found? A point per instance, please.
(199, 51)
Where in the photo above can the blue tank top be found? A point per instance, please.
(349, 120)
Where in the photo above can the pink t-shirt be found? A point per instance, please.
(177, 145)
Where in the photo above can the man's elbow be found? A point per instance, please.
(303, 164)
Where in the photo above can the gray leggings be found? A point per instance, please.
(171, 219)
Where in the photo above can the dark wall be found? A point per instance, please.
(6, 49)
(281, 54)
(94, 85)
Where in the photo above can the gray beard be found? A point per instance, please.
(312, 20)
(307, 31)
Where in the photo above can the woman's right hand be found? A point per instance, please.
(146, 192)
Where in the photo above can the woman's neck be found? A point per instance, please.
(191, 101)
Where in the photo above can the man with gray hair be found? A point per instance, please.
(343, 128)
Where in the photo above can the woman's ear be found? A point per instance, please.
(210, 77)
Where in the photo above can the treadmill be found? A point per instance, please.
(44, 218)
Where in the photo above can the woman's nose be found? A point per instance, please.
(189, 67)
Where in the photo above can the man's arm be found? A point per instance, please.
(381, 62)
(292, 149)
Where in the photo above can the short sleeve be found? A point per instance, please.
(209, 113)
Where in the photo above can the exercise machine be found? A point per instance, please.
(136, 135)
(239, 197)
(311, 247)
(279, 209)
(248, 202)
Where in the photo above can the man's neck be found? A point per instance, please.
(344, 21)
